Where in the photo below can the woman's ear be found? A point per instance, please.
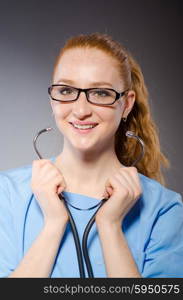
(129, 102)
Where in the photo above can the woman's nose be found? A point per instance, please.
(81, 106)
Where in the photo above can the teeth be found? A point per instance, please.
(83, 126)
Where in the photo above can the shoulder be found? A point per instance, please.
(15, 184)
(161, 230)
(18, 175)
(156, 197)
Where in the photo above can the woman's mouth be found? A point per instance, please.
(83, 129)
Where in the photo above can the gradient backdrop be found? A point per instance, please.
(31, 34)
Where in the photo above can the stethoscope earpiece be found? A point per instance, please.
(131, 134)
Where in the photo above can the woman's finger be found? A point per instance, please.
(113, 184)
(132, 177)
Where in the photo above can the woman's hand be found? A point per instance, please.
(46, 183)
(122, 189)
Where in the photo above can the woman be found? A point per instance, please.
(138, 231)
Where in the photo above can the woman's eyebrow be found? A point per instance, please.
(65, 81)
(101, 83)
(93, 84)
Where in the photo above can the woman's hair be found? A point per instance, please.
(139, 119)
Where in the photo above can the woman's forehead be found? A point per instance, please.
(91, 64)
(89, 55)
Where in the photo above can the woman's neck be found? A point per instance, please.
(87, 174)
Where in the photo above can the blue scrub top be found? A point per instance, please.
(153, 228)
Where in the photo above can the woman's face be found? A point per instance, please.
(89, 68)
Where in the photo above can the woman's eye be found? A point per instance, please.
(101, 93)
(65, 91)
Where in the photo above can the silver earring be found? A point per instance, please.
(124, 119)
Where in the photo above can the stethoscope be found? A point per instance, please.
(88, 227)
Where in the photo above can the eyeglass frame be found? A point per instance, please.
(118, 95)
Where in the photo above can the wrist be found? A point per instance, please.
(55, 224)
(108, 226)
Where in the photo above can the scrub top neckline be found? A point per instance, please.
(79, 200)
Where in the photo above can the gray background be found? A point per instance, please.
(31, 34)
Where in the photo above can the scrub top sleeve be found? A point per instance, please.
(7, 231)
(164, 251)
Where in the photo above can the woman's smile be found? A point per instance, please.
(83, 129)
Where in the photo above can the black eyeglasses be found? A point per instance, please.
(98, 96)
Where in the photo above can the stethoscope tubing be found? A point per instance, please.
(88, 227)
(84, 240)
(76, 239)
